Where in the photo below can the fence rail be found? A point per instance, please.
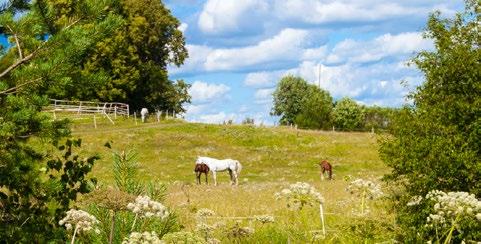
(84, 107)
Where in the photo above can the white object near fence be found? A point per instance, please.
(143, 113)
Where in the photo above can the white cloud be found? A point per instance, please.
(386, 45)
(261, 79)
(202, 92)
(216, 118)
(263, 96)
(227, 16)
(285, 46)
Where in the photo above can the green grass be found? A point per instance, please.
(271, 158)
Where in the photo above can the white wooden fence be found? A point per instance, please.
(89, 108)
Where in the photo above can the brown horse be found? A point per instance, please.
(199, 169)
(325, 166)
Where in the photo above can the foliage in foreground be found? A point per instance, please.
(435, 144)
(37, 186)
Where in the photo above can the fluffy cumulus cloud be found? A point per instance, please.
(231, 16)
(203, 92)
(386, 45)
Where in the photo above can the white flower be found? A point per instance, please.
(300, 194)
(360, 186)
(79, 219)
(203, 212)
(146, 207)
(142, 238)
(452, 205)
(416, 200)
(264, 218)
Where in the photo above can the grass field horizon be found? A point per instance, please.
(272, 158)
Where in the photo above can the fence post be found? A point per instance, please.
(372, 130)
(95, 122)
(115, 112)
(333, 129)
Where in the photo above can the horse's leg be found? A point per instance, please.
(330, 174)
(231, 177)
(236, 179)
(206, 175)
(197, 177)
(215, 177)
(322, 173)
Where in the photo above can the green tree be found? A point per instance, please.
(348, 115)
(298, 102)
(435, 143)
(378, 117)
(37, 183)
(316, 110)
(135, 60)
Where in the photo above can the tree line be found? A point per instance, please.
(299, 103)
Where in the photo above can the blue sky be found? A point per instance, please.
(239, 50)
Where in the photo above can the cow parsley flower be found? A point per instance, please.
(451, 206)
(182, 237)
(359, 187)
(142, 238)
(79, 220)
(145, 207)
(415, 200)
(364, 189)
(300, 194)
(204, 212)
(264, 218)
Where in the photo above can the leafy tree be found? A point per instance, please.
(316, 111)
(38, 185)
(435, 143)
(378, 117)
(135, 60)
(348, 115)
(296, 101)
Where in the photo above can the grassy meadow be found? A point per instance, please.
(272, 158)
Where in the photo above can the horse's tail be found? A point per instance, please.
(238, 167)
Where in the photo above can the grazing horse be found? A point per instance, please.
(199, 169)
(216, 165)
(325, 166)
(143, 113)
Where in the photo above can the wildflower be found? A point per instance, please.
(142, 238)
(451, 206)
(416, 200)
(364, 189)
(237, 231)
(300, 194)
(145, 207)
(264, 218)
(204, 212)
(183, 237)
(360, 187)
(80, 220)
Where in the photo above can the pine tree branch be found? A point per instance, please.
(32, 54)
(16, 41)
(15, 88)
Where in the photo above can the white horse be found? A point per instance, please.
(216, 165)
(144, 113)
